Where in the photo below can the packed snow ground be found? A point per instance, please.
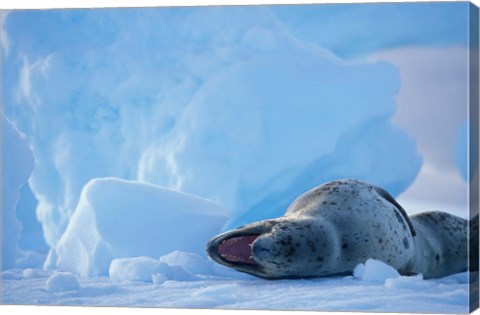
(349, 293)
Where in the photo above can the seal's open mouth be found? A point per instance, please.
(237, 249)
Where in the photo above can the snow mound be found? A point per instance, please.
(18, 163)
(375, 271)
(29, 273)
(11, 274)
(464, 277)
(146, 269)
(120, 219)
(408, 283)
(190, 262)
(159, 278)
(134, 269)
(62, 281)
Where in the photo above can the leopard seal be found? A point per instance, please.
(330, 229)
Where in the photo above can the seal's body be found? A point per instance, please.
(441, 246)
(333, 227)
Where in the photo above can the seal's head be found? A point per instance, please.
(279, 248)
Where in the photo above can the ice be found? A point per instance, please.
(29, 273)
(159, 278)
(379, 272)
(178, 274)
(17, 165)
(433, 110)
(376, 27)
(62, 281)
(464, 277)
(220, 102)
(135, 269)
(31, 237)
(462, 151)
(11, 274)
(257, 124)
(29, 259)
(393, 171)
(190, 262)
(119, 219)
(147, 269)
(408, 283)
(375, 270)
(50, 262)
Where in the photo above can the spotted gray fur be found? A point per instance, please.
(333, 227)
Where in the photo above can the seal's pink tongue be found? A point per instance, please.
(237, 249)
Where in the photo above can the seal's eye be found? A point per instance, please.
(237, 249)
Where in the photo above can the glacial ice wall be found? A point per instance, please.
(17, 165)
(223, 103)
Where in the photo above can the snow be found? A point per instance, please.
(118, 219)
(447, 295)
(407, 283)
(50, 262)
(190, 262)
(178, 266)
(28, 273)
(17, 164)
(375, 270)
(146, 269)
(29, 259)
(62, 281)
(134, 269)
